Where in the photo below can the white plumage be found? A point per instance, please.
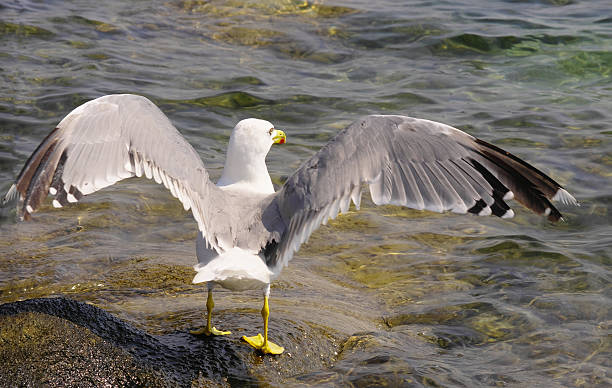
(247, 231)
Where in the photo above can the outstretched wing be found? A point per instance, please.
(411, 162)
(112, 138)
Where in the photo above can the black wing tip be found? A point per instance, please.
(36, 176)
(530, 186)
(42, 147)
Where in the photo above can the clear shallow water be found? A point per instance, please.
(385, 295)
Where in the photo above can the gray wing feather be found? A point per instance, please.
(405, 161)
(112, 138)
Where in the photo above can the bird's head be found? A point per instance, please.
(256, 135)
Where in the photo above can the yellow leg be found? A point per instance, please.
(262, 343)
(209, 329)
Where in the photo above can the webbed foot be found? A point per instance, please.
(209, 329)
(206, 331)
(266, 347)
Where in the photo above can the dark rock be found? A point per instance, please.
(62, 342)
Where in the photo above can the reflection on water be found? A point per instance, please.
(381, 296)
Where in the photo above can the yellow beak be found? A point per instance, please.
(278, 137)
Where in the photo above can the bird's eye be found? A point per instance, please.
(270, 131)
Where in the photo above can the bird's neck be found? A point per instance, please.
(246, 170)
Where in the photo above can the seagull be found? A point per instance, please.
(248, 231)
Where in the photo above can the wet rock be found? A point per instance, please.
(41, 350)
(61, 342)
